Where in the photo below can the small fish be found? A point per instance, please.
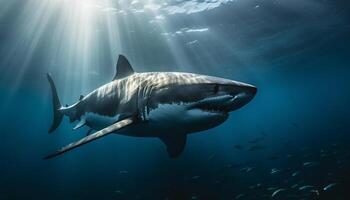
(239, 196)
(123, 172)
(192, 42)
(274, 171)
(239, 147)
(306, 187)
(277, 192)
(255, 186)
(271, 188)
(330, 186)
(249, 169)
(296, 173)
(310, 164)
(316, 192)
(246, 169)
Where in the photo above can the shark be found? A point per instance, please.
(164, 105)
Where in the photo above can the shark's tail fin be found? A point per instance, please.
(57, 114)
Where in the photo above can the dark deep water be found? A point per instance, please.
(293, 136)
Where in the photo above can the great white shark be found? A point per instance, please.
(165, 105)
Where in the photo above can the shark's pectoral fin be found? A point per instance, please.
(175, 143)
(116, 126)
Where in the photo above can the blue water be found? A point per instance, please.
(296, 53)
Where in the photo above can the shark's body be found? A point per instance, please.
(167, 105)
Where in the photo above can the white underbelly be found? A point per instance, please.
(164, 119)
(98, 122)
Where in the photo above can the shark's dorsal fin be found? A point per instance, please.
(123, 68)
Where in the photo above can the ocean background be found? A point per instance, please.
(290, 142)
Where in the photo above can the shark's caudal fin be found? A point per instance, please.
(110, 129)
(57, 115)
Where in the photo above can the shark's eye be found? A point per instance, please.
(216, 89)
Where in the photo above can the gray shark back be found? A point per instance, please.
(137, 91)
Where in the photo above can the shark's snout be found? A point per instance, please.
(249, 92)
(245, 95)
(231, 98)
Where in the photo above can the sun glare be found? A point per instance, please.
(83, 36)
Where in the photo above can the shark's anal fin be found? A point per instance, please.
(80, 124)
(92, 137)
(175, 143)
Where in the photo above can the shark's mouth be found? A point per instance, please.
(218, 104)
